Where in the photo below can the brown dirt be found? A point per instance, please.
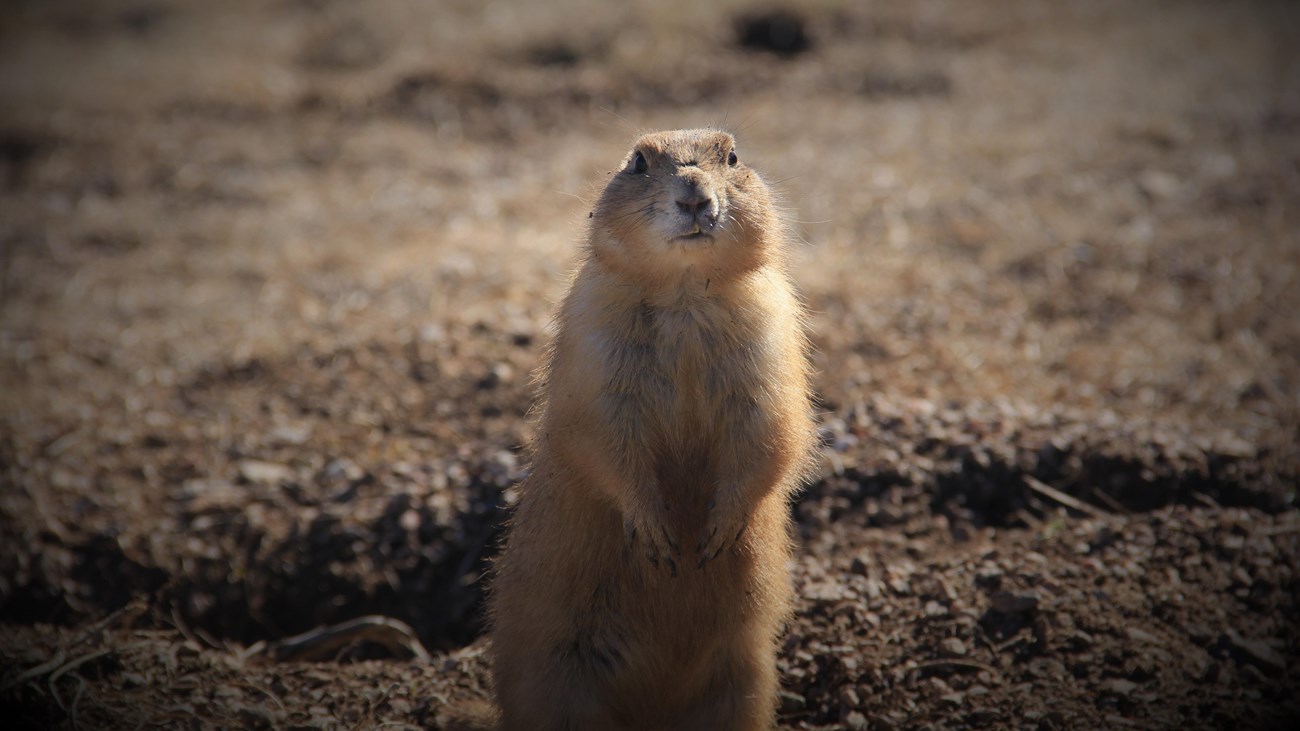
(275, 274)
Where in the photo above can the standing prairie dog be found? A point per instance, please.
(643, 583)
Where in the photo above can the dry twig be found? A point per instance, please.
(324, 643)
(1068, 501)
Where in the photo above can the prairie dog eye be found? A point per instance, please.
(732, 159)
(639, 165)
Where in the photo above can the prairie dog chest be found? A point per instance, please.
(706, 350)
(699, 364)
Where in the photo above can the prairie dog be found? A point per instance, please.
(643, 582)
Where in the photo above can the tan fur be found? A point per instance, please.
(644, 581)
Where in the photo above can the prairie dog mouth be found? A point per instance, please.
(697, 237)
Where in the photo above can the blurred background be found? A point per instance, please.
(275, 274)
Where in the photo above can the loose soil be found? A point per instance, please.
(275, 276)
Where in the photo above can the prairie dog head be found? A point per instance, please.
(684, 203)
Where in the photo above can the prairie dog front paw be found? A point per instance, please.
(647, 529)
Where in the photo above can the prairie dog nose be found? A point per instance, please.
(700, 205)
(694, 204)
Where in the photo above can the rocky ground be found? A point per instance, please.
(275, 274)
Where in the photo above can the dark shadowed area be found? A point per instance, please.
(275, 276)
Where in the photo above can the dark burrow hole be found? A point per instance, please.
(433, 577)
(557, 53)
(782, 32)
(988, 491)
(975, 487)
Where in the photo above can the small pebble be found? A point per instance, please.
(1005, 602)
(953, 647)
